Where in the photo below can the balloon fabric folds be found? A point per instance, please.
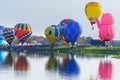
(93, 11)
(22, 31)
(62, 26)
(52, 33)
(65, 22)
(106, 27)
(9, 35)
(73, 31)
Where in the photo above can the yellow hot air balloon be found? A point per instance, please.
(52, 33)
(93, 11)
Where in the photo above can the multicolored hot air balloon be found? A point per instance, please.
(73, 31)
(106, 27)
(52, 33)
(62, 26)
(22, 31)
(1, 32)
(64, 22)
(9, 35)
(93, 11)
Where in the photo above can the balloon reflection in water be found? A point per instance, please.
(9, 60)
(69, 66)
(105, 70)
(52, 64)
(22, 63)
(3, 54)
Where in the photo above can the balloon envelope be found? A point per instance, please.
(106, 27)
(62, 26)
(1, 32)
(9, 35)
(52, 33)
(22, 31)
(73, 31)
(93, 11)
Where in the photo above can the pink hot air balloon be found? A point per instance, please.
(106, 27)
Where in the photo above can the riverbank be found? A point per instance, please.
(87, 50)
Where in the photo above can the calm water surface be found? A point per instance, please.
(64, 68)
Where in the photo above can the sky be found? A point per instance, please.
(42, 13)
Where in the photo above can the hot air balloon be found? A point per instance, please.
(22, 31)
(93, 11)
(64, 22)
(52, 33)
(62, 26)
(73, 31)
(9, 35)
(1, 32)
(106, 27)
(105, 70)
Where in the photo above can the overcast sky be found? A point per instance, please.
(42, 13)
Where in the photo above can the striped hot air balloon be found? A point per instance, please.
(9, 35)
(22, 31)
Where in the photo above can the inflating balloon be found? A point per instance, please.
(52, 33)
(22, 31)
(106, 27)
(93, 11)
(9, 35)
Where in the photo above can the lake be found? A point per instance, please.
(65, 67)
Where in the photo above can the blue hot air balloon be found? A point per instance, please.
(73, 31)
